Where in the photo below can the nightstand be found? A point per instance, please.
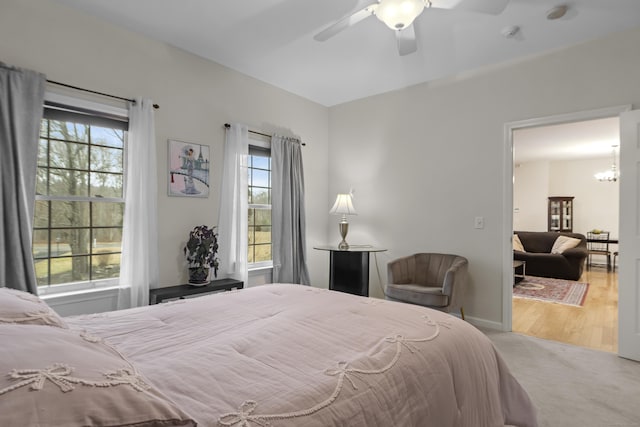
(349, 268)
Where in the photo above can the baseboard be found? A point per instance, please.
(484, 323)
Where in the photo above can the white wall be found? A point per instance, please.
(196, 98)
(424, 161)
(428, 159)
(595, 204)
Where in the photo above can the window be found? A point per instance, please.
(259, 185)
(79, 204)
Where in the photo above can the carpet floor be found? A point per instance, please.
(551, 290)
(573, 386)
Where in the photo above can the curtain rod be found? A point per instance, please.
(156, 106)
(227, 125)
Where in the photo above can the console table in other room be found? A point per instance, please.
(160, 294)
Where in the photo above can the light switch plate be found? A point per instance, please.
(478, 222)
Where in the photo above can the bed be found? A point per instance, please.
(275, 355)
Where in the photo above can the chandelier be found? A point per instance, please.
(612, 174)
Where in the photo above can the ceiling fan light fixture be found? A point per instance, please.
(399, 14)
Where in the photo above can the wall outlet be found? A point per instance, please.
(478, 222)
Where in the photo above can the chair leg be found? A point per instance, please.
(462, 313)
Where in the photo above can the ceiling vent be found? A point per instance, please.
(557, 12)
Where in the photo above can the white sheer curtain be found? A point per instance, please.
(232, 222)
(139, 264)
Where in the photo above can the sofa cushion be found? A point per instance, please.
(563, 243)
(517, 244)
(418, 294)
(542, 241)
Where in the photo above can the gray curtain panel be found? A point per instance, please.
(287, 212)
(21, 106)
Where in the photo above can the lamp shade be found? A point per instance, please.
(343, 205)
(399, 14)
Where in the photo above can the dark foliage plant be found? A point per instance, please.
(201, 248)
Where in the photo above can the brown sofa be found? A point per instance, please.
(542, 263)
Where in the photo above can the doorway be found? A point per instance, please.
(599, 277)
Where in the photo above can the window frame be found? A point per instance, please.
(261, 144)
(100, 108)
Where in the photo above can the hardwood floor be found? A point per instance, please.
(594, 325)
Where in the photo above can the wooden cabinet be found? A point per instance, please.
(560, 214)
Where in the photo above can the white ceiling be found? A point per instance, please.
(272, 40)
(577, 140)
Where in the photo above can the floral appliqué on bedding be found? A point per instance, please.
(47, 316)
(343, 371)
(59, 374)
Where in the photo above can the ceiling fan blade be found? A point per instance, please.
(491, 7)
(406, 40)
(363, 11)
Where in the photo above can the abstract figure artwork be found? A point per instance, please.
(188, 169)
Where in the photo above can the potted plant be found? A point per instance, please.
(200, 252)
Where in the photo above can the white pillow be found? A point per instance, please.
(517, 244)
(58, 377)
(27, 309)
(563, 243)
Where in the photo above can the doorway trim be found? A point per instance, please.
(507, 190)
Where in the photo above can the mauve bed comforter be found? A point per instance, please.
(288, 355)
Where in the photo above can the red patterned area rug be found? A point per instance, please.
(552, 290)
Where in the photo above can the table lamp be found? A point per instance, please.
(343, 206)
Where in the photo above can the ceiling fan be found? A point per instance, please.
(400, 14)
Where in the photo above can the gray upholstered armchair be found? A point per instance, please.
(433, 280)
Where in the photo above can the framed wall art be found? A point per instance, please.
(189, 166)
